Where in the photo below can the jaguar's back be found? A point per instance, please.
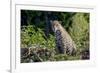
(64, 42)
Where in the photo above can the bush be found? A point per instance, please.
(30, 36)
(80, 31)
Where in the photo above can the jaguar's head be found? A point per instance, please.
(55, 25)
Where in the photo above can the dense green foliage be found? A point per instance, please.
(33, 25)
(30, 36)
